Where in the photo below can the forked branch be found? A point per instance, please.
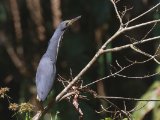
(124, 27)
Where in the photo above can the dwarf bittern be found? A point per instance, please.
(46, 70)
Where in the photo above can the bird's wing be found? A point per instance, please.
(44, 77)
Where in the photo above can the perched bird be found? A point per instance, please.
(46, 70)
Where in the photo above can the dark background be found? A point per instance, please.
(24, 38)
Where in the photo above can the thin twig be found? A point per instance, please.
(124, 98)
(143, 77)
(149, 31)
(115, 49)
(142, 24)
(144, 53)
(143, 14)
(116, 10)
(111, 75)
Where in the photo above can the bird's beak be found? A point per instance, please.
(73, 20)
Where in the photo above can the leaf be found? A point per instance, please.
(143, 108)
(108, 118)
(56, 116)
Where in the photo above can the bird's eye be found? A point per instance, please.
(67, 23)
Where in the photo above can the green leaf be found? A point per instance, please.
(108, 118)
(56, 116)
(125, 119)
(27, 116)
(143, 108)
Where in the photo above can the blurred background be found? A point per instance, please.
(26, 27)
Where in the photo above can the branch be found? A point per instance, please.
(143, 77)
(124, 112)
(111, 75)
(143, 14)
(117, 74)
(115, 49)
(78, 76)
(116, 10)
(123, 28)
(144, 53)
(142, 24)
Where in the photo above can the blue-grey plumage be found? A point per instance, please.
(46, 70)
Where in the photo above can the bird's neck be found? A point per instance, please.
(53, 47)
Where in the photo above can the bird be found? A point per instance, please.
(46, 70)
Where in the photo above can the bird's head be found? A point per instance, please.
(65, 24)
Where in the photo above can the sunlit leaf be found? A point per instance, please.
(142, 107)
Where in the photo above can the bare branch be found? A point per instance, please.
(149, 31)
(118, 112)
(124, 98)
(116, 10)
(68, 95)
(157, 49)
(157, 5)
(144, 53)
(76, 105)
(117, 74)
(140, 62)
(143, 77)
(78, 76)
(142, 24)
(128, 45)
(111, 75)
(118, 64)
(122, 29)
(125, 11)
